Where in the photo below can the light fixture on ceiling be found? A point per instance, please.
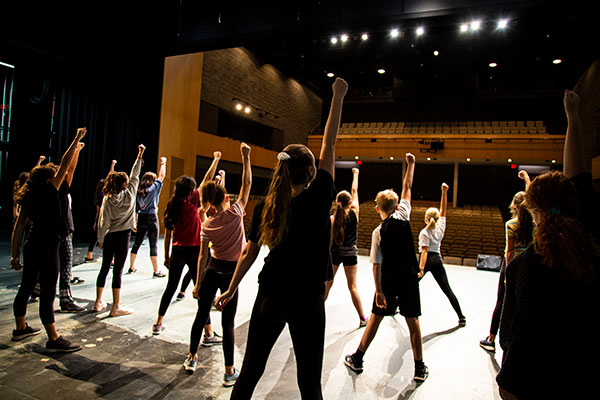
(493, 65)
(392, 158)
(436, 53)
(334, 40)
(420, 31)
(468, 159)
(464, 27)
(238, 107)
(356, 157)
(509, 160)
(475, 25)
(381, 71)
(330, 74)
(556, 61)
(364, 36)
(247, 110)
(503, 23)
(394, 33)
(344, 38)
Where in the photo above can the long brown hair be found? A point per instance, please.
(560, 238)
(342, 200)
(293, 168)
(147, 180)
(38, 175)
(212, 193)
(524, 231)
(184, 186)
(114, 183)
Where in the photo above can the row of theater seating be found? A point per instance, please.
(457, 127)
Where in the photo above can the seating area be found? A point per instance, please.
(444, 128)
(470, 230)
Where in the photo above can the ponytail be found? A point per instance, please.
(212, 193)
(342, 201)
(431, 216)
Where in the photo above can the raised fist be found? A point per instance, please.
(141, 147)
(340, 87)
(163, 160)
(355, 171)
(410, 158)
(217, 155)
(245, 149)
(445, 187)
(81, 133)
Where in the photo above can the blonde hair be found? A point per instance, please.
(387, 200)
(431, 217)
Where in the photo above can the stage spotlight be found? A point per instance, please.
(493, 65)
(238, 106)
(556, 61)
(381, 71)
(420, 31)
(333, 40)
(247, 110)
(475, 25)
(394, 33)
(344, 38)
(436, 53)
(364, 36)
(503, 23)
(464, 27)
(330, 74)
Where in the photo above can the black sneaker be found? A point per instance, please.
(180, 296)
(421, 373)
(354, 364)
(462, 322)
(487, 345)
(61, 345)
(71, 308)
(20, 334)
(77, 280)
(158, 274)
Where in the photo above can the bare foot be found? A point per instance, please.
(98, 306)
(120, 311)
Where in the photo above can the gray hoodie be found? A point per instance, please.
(117, 211)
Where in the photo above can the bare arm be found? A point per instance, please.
(574, 154)
(327, 156)
(202, 262)
(213, 168)
(444, 201)
(380, 300)
(525, 176)
(408, 177)
(162, 172)
(354, 191)
(246, 175)
(247, 258)
(15, 242)
(134, 176)
(67, 159)
(71, 170)
(423, 261)
(168, 235)
(510, 248)
(112, 166)
(202, 214)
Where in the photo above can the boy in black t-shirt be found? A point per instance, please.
(395, 268)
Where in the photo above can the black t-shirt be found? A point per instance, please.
(42, 206)
(98, 195)
(66, 222)
(302, 262)
(348, 247)
(398, 249)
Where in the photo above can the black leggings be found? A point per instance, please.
(180, 256)
(147, 224)
(499, 301)
(306, 322)
(187, 278)
(40, 260)
(435, 265)
(116, 244)
(215, 279)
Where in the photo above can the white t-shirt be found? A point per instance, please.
(433, 238)
(403, 214)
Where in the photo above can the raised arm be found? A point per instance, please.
(220, 178)
(134, 176)
(112, 166)
(408, 177)
(39, 161)
(354, 191)
(247, 258)
(71, 170)
(162, 171)
(213, 168)
(67, 159)
(573, 154)
(246, 175)
(525, 176)
(444, 201)
(327, 156)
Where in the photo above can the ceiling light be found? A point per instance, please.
(381, 71)
(333, 40)
(238, 106)
(493, 65)
(356, 157)
(502, 23)
(344, 37)
(475, 25)
(364, 36)
(330, 74)
(436, 53)
(464, 27)
(556, 61)
(468, 159)
(7, 65)
(394, 33)
(420, 31)
(247, 110)
(509, 160)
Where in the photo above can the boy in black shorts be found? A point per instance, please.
(395, 269)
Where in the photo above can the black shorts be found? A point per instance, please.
(402, 293)
(346, 260)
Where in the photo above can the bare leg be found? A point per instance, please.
(154, 260)
(51, 331)
(351, 279)
(370, 332)
(329, 284)
(416, 341)
(98, 303)
(21, 324)
(208, 330)
(132, 258)
(116, 309)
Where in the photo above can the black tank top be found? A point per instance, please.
(348, 248)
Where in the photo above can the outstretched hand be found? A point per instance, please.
(340, 87)
(410, 158)
(571, 102)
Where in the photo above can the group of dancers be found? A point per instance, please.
(204, 230)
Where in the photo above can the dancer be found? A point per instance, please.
(519, 235)
(40, 203)
(343, 247)
(147, 218)
(293, 221)
(556, 277)
(98, 196)
(65, 243)
(430, 239)
(114, 226)
(395, 269)
(225, 230)
(183, 219)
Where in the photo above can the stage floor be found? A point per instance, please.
(122, 360)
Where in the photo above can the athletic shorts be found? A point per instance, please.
(346, 260)
(402, 294)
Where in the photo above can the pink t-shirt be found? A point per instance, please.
(225, 230)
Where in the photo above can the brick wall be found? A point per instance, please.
(237, 73)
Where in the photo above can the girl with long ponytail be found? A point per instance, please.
(293, 222)
(344, 232)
